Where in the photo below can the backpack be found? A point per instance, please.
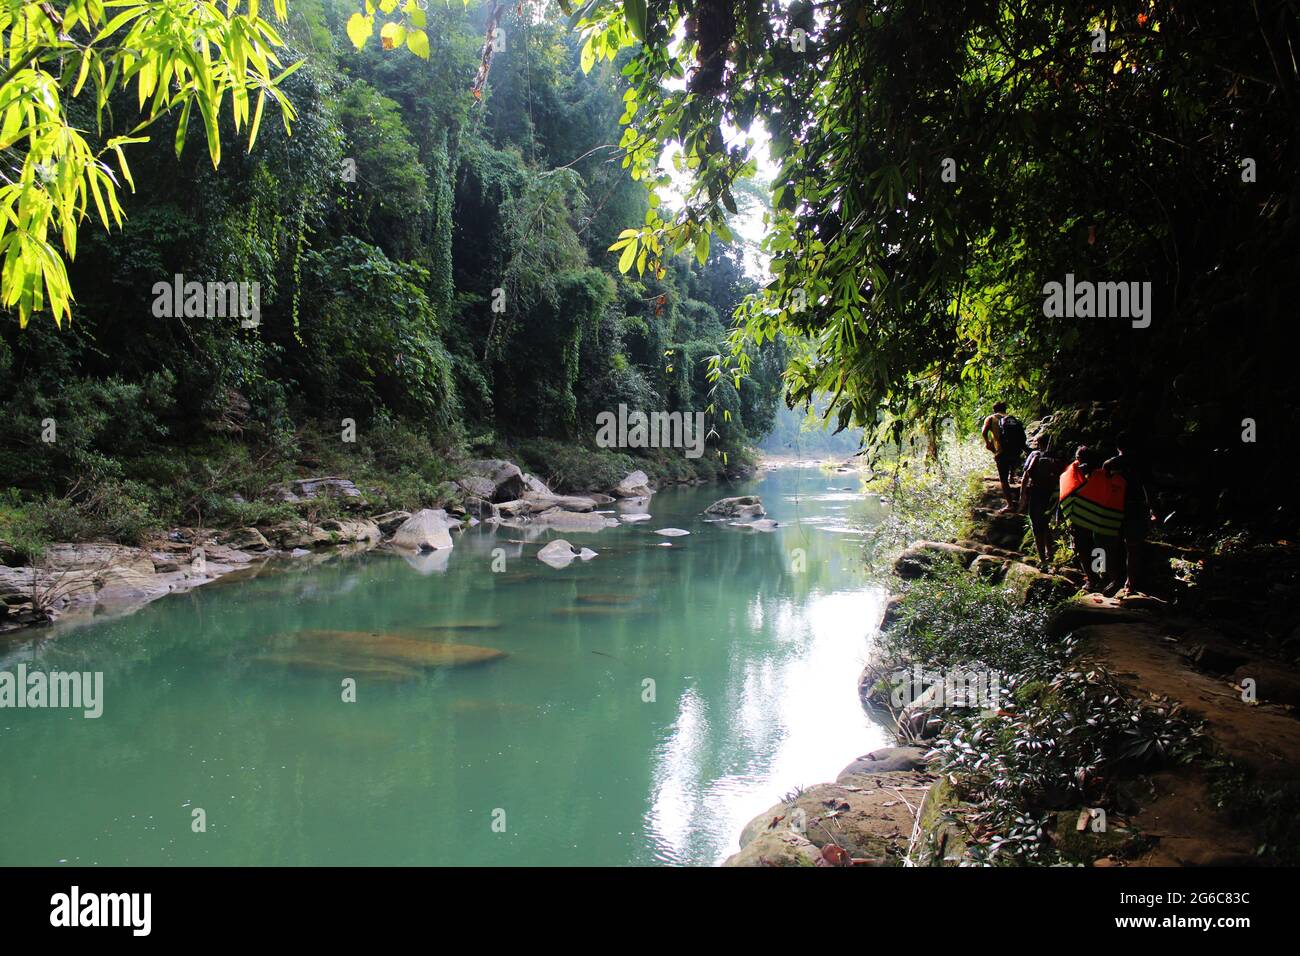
(1013, 435)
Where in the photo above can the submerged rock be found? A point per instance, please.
(369, 670)
(429, 529)
(405, 648)
(671, 532)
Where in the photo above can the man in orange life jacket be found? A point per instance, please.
(1092, 501)
(1005, 437)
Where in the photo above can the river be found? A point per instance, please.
(562, 753)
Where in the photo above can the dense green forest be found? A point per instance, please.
(490, 223)
(430, 245)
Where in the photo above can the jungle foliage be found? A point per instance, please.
(422, 181)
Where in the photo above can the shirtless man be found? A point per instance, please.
(1005, 437)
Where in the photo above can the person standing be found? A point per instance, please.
(1139, 510)
(1038, 492)
(1004, 435)
(1092, 501)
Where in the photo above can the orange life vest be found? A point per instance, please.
(1095, 501)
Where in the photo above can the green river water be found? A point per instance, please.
(754, 642)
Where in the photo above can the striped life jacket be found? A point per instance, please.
(1093, 502)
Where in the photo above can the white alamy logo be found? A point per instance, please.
(636, 429)
(75, 908)
(208, 300)
(1098, 300)
(75, 689)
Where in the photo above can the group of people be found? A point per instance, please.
(1107, 504)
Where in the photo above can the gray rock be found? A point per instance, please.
(671, 532)
(744, 507)
(506, 479)
(426, 530)
(558, 553)
(635, 485)
(245, 539)
(886, 760)
(561, 520)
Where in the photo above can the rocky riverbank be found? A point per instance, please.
(1200, 766)
(83, 581)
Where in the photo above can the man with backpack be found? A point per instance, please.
(1004, 435)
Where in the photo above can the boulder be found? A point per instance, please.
(390, 521)
(244, 539)
(780, 847)
(558, 553)
(562, 520)
(871, 822)
(672, 532)
(298, 534)
(493, 479)
(1028, 585)
(426, 530)
(309, 489)
(536, 485)
(96, 557)
(921, 557)
(477, 487)
(742, 507)
(537, 503)
(885, 760)
(635, 485)
(353, 532)
(989, 567)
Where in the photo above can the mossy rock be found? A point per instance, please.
(942, 842)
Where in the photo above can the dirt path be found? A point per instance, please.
(1205, 666)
